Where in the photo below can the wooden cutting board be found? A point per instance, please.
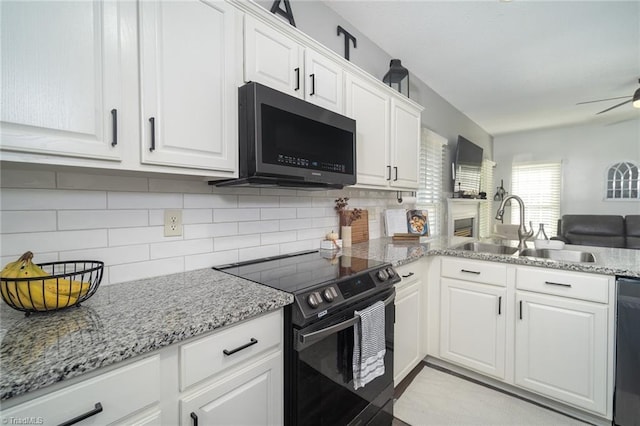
(359, 227)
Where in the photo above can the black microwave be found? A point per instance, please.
(286, 141)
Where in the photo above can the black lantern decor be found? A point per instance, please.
(397, 77)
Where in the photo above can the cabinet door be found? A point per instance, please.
(324, 85)
(189, 98)
(561, 349)
(61, 78)
(405, 145)
(273, 59)
(407, 331)
(369, 106)
(253, 396)
(473, 326)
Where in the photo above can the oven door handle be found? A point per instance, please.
(309, 338)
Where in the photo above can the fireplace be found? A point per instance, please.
(463, 217)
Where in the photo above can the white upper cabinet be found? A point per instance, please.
(405, 147)
(388, 135)
(276, 60)
(189, 95)
(61, 78)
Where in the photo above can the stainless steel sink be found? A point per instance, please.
(565, 255)
(487, 248)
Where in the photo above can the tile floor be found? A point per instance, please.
(438, 398)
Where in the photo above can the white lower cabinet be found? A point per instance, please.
(252, 396)
(473, 325)
(112, 397)
(407, 345)
(546, 331)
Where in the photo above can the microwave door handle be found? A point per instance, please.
(308, 338)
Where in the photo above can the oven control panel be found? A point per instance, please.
(318, 302)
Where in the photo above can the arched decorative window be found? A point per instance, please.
(623, 182)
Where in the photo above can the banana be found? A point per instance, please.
(66, 287)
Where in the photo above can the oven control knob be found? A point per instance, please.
(391, 272)
(329, 294)
(382, 275)
(314, 300)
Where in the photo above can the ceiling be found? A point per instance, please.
(513, 66)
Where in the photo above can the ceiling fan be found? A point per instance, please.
(635, 99)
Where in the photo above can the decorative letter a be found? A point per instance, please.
(275, 8)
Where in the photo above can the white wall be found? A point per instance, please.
(586, 153)
(71, 215)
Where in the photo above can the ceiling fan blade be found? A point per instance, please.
(602, 100)
(615, 106)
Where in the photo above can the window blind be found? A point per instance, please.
(430, 194)
(486, 213)
(539, 185)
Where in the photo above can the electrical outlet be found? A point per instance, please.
(172, 223)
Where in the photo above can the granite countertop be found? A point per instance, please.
(120, 322)
(124, 320)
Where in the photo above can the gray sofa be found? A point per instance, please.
(600, 230)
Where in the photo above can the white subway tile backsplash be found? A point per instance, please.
(110, 255)
(238, 241)
(258, 226)
(210, 201)
(27, 221)
(149, 269)
(278, 237)
(16, 244)
(128, 236)
(74, 180)
(89, 216)
(18, 178)
(206, 230)
(52, 199)
(96, 219)
(181, 248)
(137, 200)
(277, 213)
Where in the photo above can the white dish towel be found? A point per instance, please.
(368, 344)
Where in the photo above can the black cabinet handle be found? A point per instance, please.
(558, 284)
(470, 272)
(521, 309)
(388, 172)
(81, 417)
(239, 348)
(396, 169)
(114, 126)
(410, 274)
(313, 85)
(297, 70)
(499, 305)
(152, 120)
(195, 419)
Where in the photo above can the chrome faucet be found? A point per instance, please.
(523, 234)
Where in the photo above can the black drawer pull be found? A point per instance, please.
(410, 274)
(195, 419)
(470, 272)
(521, 309)
(81, 417)
(396, 169)
(239, 348)
(313, 85)
(558, 284)
(114, 126)
(389, 172)
(500, 305)
(152, 120)
(297, 70)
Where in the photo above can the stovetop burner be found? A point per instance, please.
(321, 282)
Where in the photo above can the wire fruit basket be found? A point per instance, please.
(66, 284)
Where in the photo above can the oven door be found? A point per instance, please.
(322, 367)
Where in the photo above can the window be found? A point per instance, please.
(486, 208)
(538, 184)
(430, 195)
(623, 182)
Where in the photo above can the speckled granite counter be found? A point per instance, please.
(609, 261)
(122, 321)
